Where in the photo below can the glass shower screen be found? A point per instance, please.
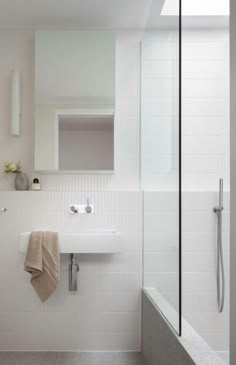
(160, 157)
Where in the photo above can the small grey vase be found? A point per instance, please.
(21, 181)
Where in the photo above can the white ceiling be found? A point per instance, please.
(73, 13)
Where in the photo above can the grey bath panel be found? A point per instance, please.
(159, 344)
(70, 358)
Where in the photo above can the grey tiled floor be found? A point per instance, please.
(70, 358)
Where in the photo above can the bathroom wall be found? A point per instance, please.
(205, 159)
(161, 265)
(205, 106)
(108, 312)
(160, 110)
(159, 167)
(205, 147)
(161, 245)
(205, 109)
(105, 313)
(19, 54)
(199, 267)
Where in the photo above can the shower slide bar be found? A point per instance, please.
(220, 275)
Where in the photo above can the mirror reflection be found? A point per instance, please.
(74, 100)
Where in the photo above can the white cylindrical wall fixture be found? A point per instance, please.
(15, 103)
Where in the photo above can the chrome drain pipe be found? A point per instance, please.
(73, 270)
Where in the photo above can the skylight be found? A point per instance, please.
(197, 7)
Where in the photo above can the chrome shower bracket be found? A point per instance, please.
(220, 274)
(73, 270)
(217, 209)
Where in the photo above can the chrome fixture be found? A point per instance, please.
(220, 259)
(88, 207)
(3, 210)
(73, 209)
(82, 208)
(73, 270)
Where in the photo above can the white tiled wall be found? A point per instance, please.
(159, 110)
(161, 259)
(205, 105)
(161, 244)
(104, 314)
(199, 267)
(161, 251)
(205, 149)
(205, 109)
(205, 158)
(18, 53)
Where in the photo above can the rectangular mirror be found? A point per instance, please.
(74, 100)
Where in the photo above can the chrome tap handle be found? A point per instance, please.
(3, 210)
(73, 209)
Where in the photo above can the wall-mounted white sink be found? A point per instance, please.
(101, 241)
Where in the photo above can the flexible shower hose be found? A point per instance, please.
(220, 264)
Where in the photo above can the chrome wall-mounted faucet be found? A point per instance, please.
(82, 208)
(3, 210)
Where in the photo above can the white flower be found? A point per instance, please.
(13, 167)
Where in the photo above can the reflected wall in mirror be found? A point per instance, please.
(74, 100)
(86, 141)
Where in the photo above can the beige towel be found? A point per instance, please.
(42, 261)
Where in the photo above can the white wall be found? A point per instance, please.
(199, 267)
(105, 312)
(159, 167)
(205, 105)
(159, 110)
(19, 53)
(205, 147)
(161, 251)
(161, 260)
(205, 109)
(205, 158)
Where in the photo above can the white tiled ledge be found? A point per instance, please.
(198, 349)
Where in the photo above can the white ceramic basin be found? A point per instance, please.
(104, 241)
